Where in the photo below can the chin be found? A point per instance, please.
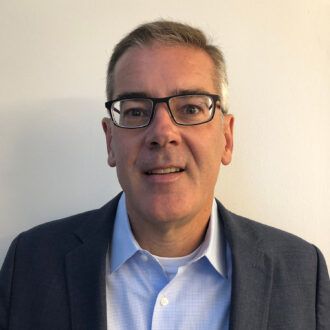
(168, 208)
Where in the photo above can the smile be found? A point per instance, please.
(165, 170)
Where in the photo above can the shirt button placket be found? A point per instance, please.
(162, 318)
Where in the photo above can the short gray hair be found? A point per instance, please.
(170, 32)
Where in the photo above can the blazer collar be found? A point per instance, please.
(251, 274)
(85, 270)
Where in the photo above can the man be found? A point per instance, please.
(164, 253)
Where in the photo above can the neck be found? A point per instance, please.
(172, 239)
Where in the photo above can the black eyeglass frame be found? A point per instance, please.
(156, 100)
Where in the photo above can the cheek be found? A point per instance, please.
(125, 151)
(207, 149)
(124, 169)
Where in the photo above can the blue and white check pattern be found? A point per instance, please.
(141, 295)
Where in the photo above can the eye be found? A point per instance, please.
(134, 112)
(191, 109)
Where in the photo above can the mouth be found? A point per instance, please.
(165, 170)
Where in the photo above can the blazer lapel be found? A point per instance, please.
(252, 275)
(85, 270)
(251, 288)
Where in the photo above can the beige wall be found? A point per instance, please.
(53, 59)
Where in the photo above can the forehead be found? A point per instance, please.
(160, 70)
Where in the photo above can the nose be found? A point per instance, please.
(162, 130)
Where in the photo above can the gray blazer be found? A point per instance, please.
(53, 277)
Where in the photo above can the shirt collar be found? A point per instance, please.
(214, 244)
(124, 245)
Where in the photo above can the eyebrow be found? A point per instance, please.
(191, 91)
(128, 95)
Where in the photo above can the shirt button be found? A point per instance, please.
(164, 301)
(144, 257)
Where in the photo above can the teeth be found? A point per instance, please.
(165, 170)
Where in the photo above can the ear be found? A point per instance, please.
(228, 134)
(107, 128)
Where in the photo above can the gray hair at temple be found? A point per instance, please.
(172, 33)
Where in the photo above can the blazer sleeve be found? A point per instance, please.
(322, 294)
(6, 283)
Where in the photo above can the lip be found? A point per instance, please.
(165, 170)
(164, 178)
(164, 174)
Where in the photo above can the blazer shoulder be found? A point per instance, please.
(60, 226)
(292, 259)
(62, 235)
(265, 237)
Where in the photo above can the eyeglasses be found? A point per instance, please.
(185, 110)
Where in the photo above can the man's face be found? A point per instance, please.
(160, 70)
